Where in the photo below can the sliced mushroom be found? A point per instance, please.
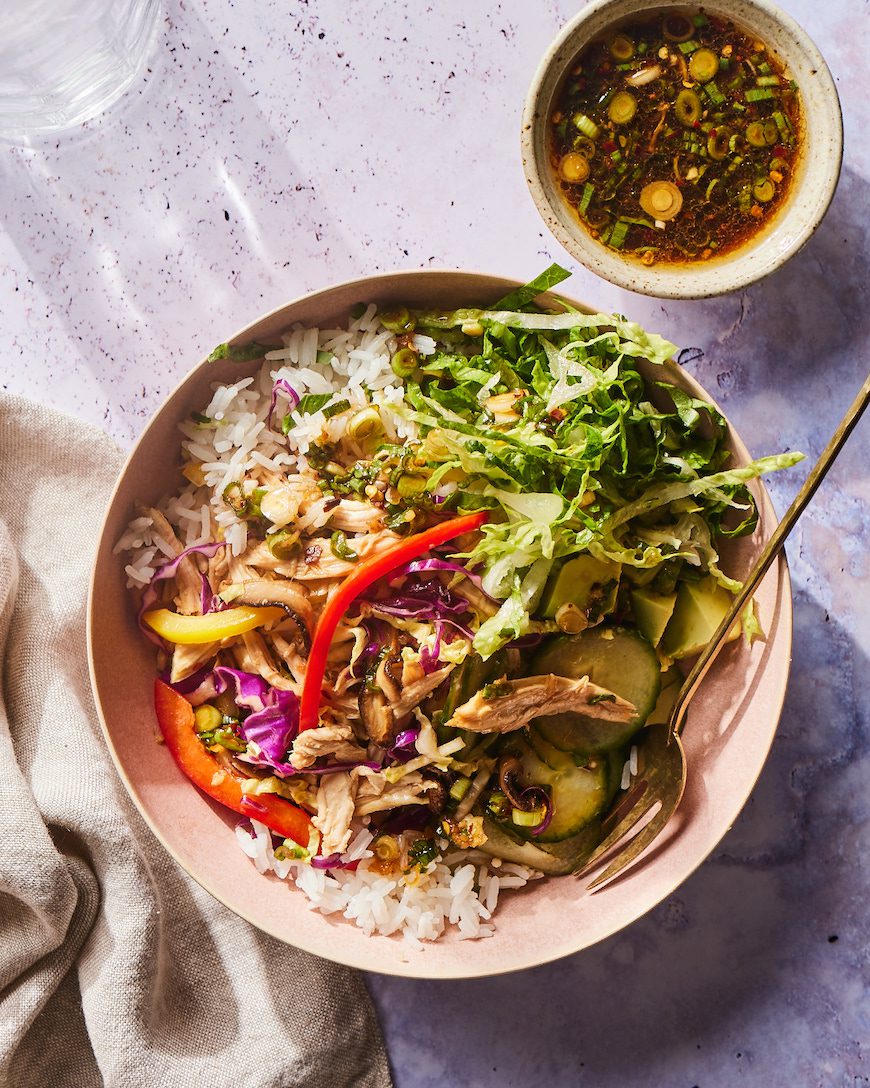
(291, 598)
(388, 675)
(377, 716)
(508, 768)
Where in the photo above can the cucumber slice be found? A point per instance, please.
(579, 794)
(615, 658)
(616, 758)
(555, 859)
(555, 758)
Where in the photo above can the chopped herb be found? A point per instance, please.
(421, 854)
(336, 409)
(313, 402)
(244, 353)
(340, 547)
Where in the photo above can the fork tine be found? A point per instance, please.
(635, 846)
(660, 785)
(629, 810)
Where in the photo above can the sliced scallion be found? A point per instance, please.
(528, 819)
(588, 191)
(340, 548)
(586, 125)
(755, 134)
(622, 108)
(759, 94)
(618, 234)
(703, 65)
(336, 409)
(621, 47)
(574, 168)
(764, 190)
(459, 788)
(767, 81)
(782, 124)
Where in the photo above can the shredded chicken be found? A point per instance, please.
(187, 576)
(511, 704)
(253, 656)
(288, 653)
(309, 566)
(413, 694)
(353, 516)
(187, 659)
(217, 567)
(336, 741)
(335, 810)
(478, 600)
(409, 791)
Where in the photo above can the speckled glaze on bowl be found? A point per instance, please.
(728, 735)
(811, 191)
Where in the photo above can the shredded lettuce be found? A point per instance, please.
(515, 300)
(511, 621)
(550, 420)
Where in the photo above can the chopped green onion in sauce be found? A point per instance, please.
(675, 137)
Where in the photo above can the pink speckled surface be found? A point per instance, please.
(257, 162)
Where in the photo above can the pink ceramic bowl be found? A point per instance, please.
(729, 732)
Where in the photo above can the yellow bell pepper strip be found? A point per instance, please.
(176, 719)
(193, 630)
(357, 582)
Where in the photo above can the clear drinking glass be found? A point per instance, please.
(64, 61)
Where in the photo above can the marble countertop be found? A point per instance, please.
(278, 147)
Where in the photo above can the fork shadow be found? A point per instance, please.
(753, 933)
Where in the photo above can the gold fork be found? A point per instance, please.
(661, 777)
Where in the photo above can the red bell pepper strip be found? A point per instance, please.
(357, 582)
(175, 717)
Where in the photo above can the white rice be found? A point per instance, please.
(240, 443)
(459, 891)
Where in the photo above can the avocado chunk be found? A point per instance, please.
(652, 612)
(672, 681)
(699, 609)
(586, 582)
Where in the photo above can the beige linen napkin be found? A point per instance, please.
(115, 968)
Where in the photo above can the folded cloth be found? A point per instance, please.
(116, 968)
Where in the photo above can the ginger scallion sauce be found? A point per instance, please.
(675, 138)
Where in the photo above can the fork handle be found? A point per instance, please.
(771, 551)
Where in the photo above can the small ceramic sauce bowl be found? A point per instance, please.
(811, 190)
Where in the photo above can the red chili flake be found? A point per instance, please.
(558, 414)
(696, 124)
(781, 152)
(712, 131)
(608, 146)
